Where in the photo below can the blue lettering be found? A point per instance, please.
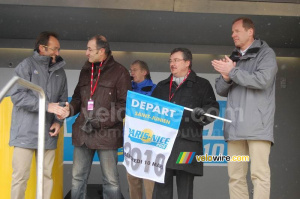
(131, 132)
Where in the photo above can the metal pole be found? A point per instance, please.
(41, 133)
(209, 115)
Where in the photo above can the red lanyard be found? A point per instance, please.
(171, 82)
(92, 78)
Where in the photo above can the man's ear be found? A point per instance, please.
(41, 49)
(102, 51)
(250, 31)
(144, 72)
(188, 62)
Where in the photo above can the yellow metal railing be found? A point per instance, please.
(6, 153)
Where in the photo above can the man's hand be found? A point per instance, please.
(67, 112)
(224, 67)
(56, 109)
(54, 129)
(59, 111)
(198, 112)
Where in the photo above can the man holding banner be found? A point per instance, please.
(185, 88)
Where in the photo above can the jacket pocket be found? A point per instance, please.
(262, 109)
(109, 94)
(107, 104)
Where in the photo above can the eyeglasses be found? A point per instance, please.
(53, 49)
(175, 60)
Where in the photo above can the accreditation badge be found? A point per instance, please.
(90, 105)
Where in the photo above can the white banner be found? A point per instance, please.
(151, 127)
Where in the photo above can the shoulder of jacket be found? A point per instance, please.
(122, 68)
(119, 70)
(119, 66)
(153, 85)
(201, 80)
(163, 82)
(86, 65)
(26, 63)
(61, 71)
(266, 49)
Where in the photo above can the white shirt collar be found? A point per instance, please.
(244, 51)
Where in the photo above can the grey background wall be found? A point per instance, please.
(143, 36)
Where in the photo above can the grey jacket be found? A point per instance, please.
(250, 94)
(24, 125)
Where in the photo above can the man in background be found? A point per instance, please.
(141, 83)
(45, 69)
(141, 79)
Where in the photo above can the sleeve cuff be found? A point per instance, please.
(232, 73)
(230, 81)
(60, 122)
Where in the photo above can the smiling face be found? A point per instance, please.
(178, 66)
(52, 49)
(94, 54)
(242, 38)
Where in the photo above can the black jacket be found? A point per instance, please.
(194, 92)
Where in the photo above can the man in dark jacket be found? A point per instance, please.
(185, 88)
(100, 98)
(248, 80)
(44, 68)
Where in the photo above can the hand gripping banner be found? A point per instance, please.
(151, 127)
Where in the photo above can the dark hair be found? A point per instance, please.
(247, 24)
(187, 54)
(144, 66)
(101, 42)
(43, 39)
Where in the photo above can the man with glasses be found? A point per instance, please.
(141, 79)
(185, 88)
(44, 68)
(99, 98)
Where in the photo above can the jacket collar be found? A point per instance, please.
(191, 77)
(146, 82)
(250, 53)
(45, 61)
